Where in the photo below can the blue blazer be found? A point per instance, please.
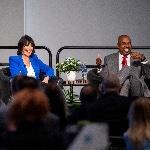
(17, 66)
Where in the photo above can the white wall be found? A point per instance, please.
(56, 23)
(11, 25)
(11, 22)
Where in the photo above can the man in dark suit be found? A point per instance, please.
(127, 64)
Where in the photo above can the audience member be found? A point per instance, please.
(57, 102)
(20, 82)
(5, 84)
(3, 111)
(111, 108)
(27, 63)
(91, 137)
(88, 94)
(3, 106)
(28, 123)
(137, 136)
(94, 77)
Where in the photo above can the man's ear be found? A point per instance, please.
(118, 45)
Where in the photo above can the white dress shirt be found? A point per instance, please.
(120, 60)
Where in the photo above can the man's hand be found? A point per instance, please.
(46, 79)
(137, 56)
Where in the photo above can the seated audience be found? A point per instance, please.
(137, 136)
(94, 78)
(28, 125)
(5, 84)
(3, 106)
(91, 137)
(88, 96)
(111, 108)
(3, 111)
(27, 63)
(57, 102)
(20, 82)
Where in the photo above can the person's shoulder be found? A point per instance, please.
(113, 97)
(34, 56)
(112, 54)
(14, 57)
(125, 136)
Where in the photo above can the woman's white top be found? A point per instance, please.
(30, 71)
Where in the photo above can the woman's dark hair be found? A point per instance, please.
(19, 83)
(57, 101)
(25, 41)
(88, 94)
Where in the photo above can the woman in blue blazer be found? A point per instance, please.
(27, 63)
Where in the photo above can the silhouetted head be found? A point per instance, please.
(19, 83)
(56, 100)
(111, 83)
(139, 112)
(88, 94)
(28, 106)
(139, 122)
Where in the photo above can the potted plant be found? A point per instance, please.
(70, 66)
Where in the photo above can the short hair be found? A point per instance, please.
(111, 83)
(88, 94)
(21, 82)
(122, 36)
(25, 41)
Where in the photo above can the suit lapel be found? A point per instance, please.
(131, 60)
(22, 66)
(116, 62)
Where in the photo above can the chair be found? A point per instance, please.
(116, 143)
(93, 77)
(5, 83)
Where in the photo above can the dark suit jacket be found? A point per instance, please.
(112, 109)
(17, 66)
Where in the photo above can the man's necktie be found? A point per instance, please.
(124, 61)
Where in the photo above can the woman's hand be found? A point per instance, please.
(46, 79)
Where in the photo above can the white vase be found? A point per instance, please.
(71, 76)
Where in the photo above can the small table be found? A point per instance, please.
(71, 84)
